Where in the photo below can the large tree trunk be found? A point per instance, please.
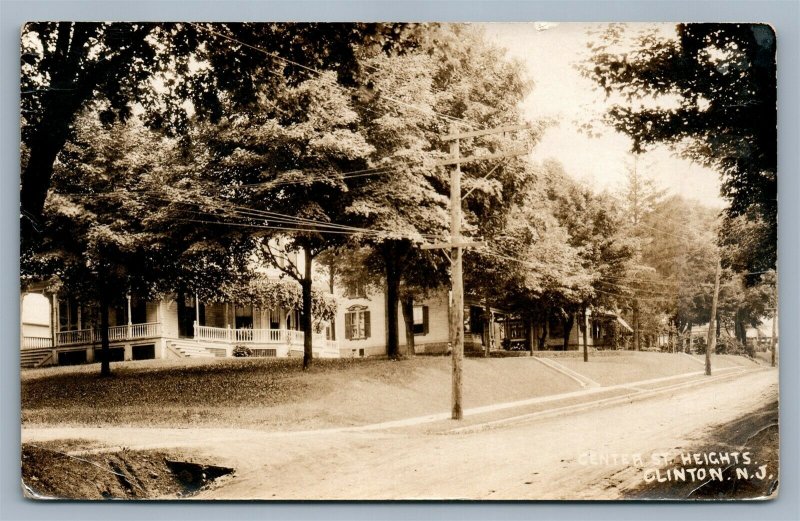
(307, 318)
(568, 322)
(740, 327)
(711, 341)
(526, 325)
(689, 338)
(543, 338)
(585, 337)
(392, 305)
(59, 104)
(487, 328)
(408, 320)
(331, 277)
(105, 350)
(636, 326)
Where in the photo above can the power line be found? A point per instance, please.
(371, 233)
(233, 210)
(650, 299)
(320, 73)
(249, 213)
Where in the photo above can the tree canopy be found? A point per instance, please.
(709, 91)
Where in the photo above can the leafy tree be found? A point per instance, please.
(559, 243)
(277, 172)
(65, 67)
(710, 93)
(116, 222)
(399, 205)
(96, 247)
(453, 76)
(640, 195)
(173, 72)
(742, 235)
(743, 306)
(596, 230)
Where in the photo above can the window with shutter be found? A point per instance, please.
(420, 320)
(348, 326)
(356, 323)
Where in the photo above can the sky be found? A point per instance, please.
(549, 51)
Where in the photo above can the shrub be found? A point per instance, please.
(242, 351)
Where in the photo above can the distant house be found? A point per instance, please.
(361, 326)
(759, 337)
(600, 325)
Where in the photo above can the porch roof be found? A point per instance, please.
(624, 324)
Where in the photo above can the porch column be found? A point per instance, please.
(160, 316)
(232, 323)
(128, 297)
(196, 310)
(54, 320)
(490, 331)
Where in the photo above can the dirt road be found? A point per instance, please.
(585, 454)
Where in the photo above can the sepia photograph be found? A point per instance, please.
(398, 261)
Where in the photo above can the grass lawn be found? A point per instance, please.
(273, 393)
(630, 366)
(723, 361)
(765, 357)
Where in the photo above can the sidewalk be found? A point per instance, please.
(493, 415)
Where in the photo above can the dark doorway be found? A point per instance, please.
(187, 315)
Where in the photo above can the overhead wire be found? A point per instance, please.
(297, 223)
(318, 72)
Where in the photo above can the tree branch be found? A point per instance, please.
(290, 270)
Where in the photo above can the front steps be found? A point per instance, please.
(36, 357)
(191, 349)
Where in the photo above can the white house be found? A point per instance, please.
(172, 327)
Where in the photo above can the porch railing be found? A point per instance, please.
(145, 330)
(115, 334)
(249, 336)
(36, 342)
(78, 336)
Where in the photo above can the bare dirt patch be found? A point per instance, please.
(56, 470)
(753, 437)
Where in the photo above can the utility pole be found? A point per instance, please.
(712, 330)
(689, 346)
(774, 334)
(456, 246)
